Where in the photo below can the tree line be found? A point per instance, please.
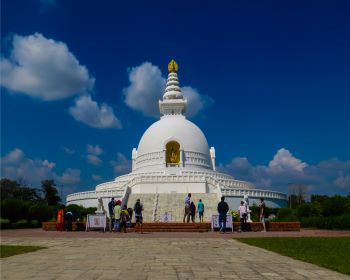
(21, 203)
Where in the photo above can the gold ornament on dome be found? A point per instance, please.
(172, 66)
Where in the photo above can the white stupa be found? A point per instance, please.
(172, 159)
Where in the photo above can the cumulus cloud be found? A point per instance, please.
(70, 176)
(94, 160)
(195, 101)
(96, 177)
(121, 165)
(94, 115)
(43, 68)
(147, 88)
(95, 150)
(16, 165)
(68, 151)
(327, 177)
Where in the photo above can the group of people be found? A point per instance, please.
(121, 216)
(191, 210)
(223, 208)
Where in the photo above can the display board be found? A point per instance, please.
(215, 222)
(166, 217)
(95, 221)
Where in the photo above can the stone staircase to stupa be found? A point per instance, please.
(155, 205)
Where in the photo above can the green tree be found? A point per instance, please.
(50, 192)
(14, 209)
(8, 188)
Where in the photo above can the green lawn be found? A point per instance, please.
(329, 252)
(10, 250)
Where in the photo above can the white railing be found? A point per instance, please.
(220, 188)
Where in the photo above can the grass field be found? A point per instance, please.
(10, 250)
(328, 252)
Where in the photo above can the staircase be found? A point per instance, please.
(148, 205)
(175, 205)
(155, 205)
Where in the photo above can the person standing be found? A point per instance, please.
(262, 213)
(200, 209)
(124, 218)
(138, 208)
(193, 211)
(60, 219)
(242, 211)
(187, 208)
(69, 220)
(111, 206)
(222, 209)
(116, 212)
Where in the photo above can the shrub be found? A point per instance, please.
(331, 222)
(309, 209)
(286, 215)
(335, 206)
(14, 209)
(4, 223)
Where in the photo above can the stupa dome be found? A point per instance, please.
(177, 128)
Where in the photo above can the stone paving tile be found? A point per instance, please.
(164, 258)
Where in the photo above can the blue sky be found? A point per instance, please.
(269, 85)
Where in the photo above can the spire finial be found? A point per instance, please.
(172, 66)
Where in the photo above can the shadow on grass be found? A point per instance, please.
(11, 250)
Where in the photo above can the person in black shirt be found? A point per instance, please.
(111, 205)
(222, 209)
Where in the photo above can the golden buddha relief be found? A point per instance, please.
(173, 153)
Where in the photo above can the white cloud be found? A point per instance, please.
(195, 101)
(327, 177)
(96, 177)
(93, 159)
(92, 114)
(121, 165)
(44, 68)
(284, 160)
(95, 150)
(70, 176)
(147, 88)
(68, 151)
(16, 165)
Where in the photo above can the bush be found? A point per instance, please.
(14, 209)
(331, 222)
(286, 215)
(335, 206)
(4, 223)
(309, 209)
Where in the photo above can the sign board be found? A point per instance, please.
(166, 217)
(215, 222)
(96, 221)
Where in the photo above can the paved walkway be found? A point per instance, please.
(152, 258)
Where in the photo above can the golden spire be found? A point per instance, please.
(172, 66)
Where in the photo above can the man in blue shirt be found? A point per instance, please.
(200, 209)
